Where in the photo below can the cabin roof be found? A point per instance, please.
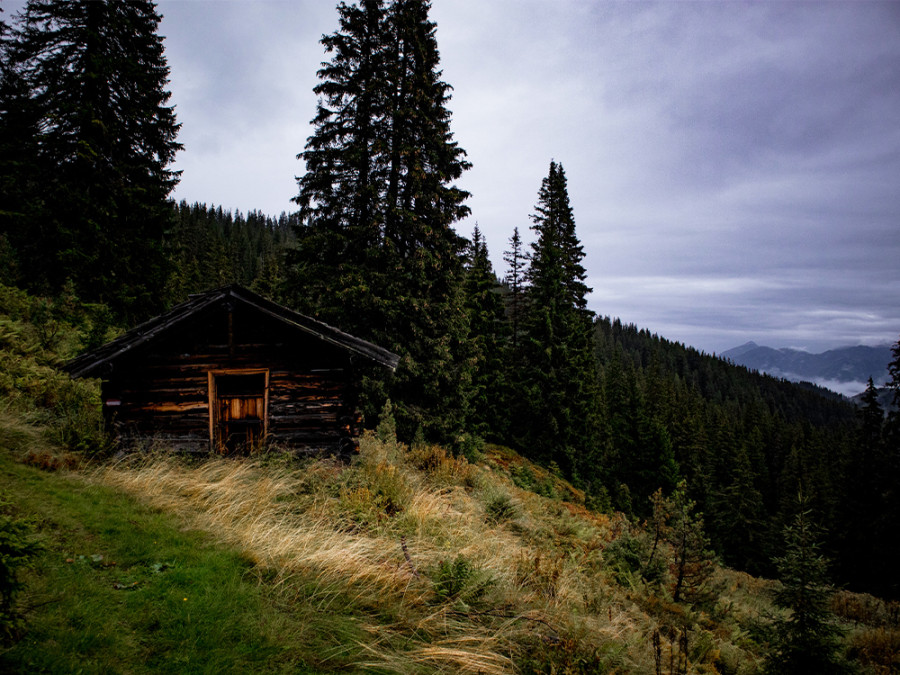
(90, 363)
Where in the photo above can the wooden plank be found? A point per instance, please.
(197, 409)
(173, 390)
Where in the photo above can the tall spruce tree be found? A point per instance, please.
(488, 329)
(892, 499)
(96, 77)
(517, 259)
(20, 183)
(376, 252)
(559, 380)
(339, 264)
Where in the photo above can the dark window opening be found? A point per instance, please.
(241, 385)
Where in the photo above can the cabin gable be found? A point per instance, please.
(230, 374)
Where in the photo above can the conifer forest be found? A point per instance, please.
(771, 478)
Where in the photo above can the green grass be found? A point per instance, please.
(121, 588)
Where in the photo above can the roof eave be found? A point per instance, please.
(89, 364)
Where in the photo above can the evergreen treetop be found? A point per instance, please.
(559, 378)
(376, 252)
(555, 272)
(807, 637)
(103, 137)
(517, 259)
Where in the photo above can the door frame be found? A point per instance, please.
(213, 400)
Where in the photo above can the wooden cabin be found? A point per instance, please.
(228, 370)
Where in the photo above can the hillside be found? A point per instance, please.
(409, 559)
(746, 443)
(406, 561)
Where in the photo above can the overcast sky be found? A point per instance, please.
(733, 167)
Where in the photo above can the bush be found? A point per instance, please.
(441, 468)
(469, 446)
(628, 558)
(77, 418)
(36, 335)
(17, 549)
(524, 477)
(877, 648)
(500, 508)
(386, 431)
(380, 488)
(459, 580)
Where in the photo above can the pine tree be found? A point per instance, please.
(807, 637)
(517, 259)
(488, 335)
(338, 266)
(559, 379)
(871, 416)
(693, 562)
(738, 517)
(20, 181)
(674, 519)
(376, 252)
(96, 76)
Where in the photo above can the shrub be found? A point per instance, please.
(386, 431)
(500, 508)
(441, 468)
(524, 477)
(877, 648)
(575, 652)
(77, 419)
(380, 488)
(469, 446)
(628, 559)
(36, 335)
(459, 580)
(17, 549)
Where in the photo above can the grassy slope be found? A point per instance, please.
(497, 579)
(268, 565)
(124, 587)
(406, 561)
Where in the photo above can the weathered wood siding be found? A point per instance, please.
(163, 390)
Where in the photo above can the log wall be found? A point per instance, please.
(163, 391)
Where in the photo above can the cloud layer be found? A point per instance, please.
(733, 166)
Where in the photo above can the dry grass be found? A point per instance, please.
(250, 506)
(343, 527)
(30, 445)
(454, 566)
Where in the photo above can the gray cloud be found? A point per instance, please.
(732, 166)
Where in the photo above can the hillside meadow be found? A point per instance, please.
(407, 560)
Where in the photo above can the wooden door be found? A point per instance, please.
(240, 411)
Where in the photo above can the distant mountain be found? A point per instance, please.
(845, 370)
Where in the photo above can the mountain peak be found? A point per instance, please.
(740, 351)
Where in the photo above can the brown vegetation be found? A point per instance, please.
(480, 576)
